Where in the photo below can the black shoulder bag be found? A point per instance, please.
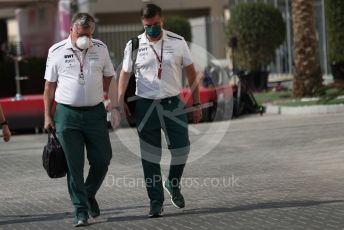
(54, 160)
(130, 92)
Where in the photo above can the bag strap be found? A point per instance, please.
(134, 50)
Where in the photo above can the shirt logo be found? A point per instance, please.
(93, 56)
(68, 56)
(143, 52)
(143, 49)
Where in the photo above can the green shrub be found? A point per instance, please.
(335, 29)
(178, 25)
(259, 29)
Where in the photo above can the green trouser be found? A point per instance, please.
(152, 116)
(77, 127)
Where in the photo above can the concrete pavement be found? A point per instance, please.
(270, 172)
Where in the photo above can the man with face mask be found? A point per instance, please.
(161, 58)
(78, 71)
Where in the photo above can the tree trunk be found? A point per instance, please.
(307, 71)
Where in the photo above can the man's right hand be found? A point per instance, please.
(48, 96)
(49, 122)
(6, 133)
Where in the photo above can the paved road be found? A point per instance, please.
(270, 172)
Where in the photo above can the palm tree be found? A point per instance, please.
(307, 71)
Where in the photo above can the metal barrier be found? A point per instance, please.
(116, 38)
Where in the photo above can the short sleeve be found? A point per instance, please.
(127, 65)
(187, 59)
(108, 70)
(51, 69)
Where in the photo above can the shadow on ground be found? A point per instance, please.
(241, 208)
(18, 219)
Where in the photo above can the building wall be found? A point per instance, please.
(134, 17)
(118, 6)
(119, 12)
(7, 13)
(116, 12)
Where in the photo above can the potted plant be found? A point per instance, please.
(335, 37)
(259, 29)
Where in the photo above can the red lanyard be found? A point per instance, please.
(81, 62)
(159, 58)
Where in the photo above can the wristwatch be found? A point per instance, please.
(196, 104)
(4, 123)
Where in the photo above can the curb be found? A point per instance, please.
(300, 110)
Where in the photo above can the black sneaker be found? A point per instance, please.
(177, 198)
(94, 210)
(156, 209)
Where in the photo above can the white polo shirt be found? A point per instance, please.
(176, 56)
(63, 67)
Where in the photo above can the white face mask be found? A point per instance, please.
(83, 42)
